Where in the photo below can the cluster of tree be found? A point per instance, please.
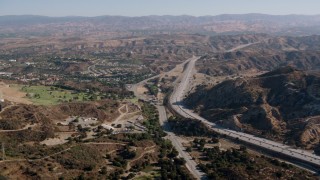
(137, 167)
(119, 161)
(189, 127)
(200, 143)
(153, 89)
(317, 149)
(152, 122)
(101, 131)
(171, 166)
(126, 153)
(102, 90)
(31, 135)
(173, 169)
(80, 157)
(222, 162)
(14, 148)
(9, 124)
(276, 162)
(132, 78)
(238, 163)
(115, 174)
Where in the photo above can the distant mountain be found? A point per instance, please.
(228, 23)
(290, 19)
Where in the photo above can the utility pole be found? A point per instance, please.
(3, 152)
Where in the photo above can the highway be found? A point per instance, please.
(176, 102)
(176, 141)
(242, 46)
(133, 87)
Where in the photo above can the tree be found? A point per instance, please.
(130, 176)
(103, 170)
(81, 177)
(188, 149)
(174, 153)
(180, 161)
(243, 148)
(317, 150)
(279, 174)
(215, 140)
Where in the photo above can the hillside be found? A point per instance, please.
(266, 55)
(281, 105)
(19, 116)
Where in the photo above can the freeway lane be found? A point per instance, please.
(133, 87)
(190, 163)
(176, 141)
(177, 105)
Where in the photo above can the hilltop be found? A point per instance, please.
(281, 105)
(267, 54)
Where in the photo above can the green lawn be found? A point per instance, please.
(48, 95)
(133, 100)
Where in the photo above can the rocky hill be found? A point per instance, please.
(283, 104)
(266, 55)
(18, 116)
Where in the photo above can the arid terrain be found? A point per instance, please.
(281, 104)
(88, 97)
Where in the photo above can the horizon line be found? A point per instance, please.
(162, 15)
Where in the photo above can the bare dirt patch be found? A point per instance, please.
(12, 94)
(60, 138)
(142, 89)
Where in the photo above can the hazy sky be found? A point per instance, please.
(156, 7)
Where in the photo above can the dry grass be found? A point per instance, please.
(13, 94)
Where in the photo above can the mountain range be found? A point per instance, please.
(228, 23)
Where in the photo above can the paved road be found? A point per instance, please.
(133, 87)
(91, 69)
(242, 46)
(177, 104)
(176, 141)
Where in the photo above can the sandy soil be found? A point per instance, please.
(11, 93)
(60, 139)
(142, 89)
